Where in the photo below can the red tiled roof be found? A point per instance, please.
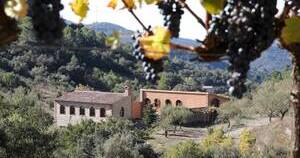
(91, 97)
(170, 91)
(182, 92)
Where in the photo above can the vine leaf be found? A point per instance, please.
(129, 4)
(157, 46)
(291, 32)
(16, 9)
(213, 6)
(112, 4)
(80, 8)
(114, 40)
(151, 1)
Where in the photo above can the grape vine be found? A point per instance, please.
(46, 20)
(247, 28)
(172, 11)
(295, 5)
(150, 67)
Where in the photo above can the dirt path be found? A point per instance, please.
(160, 142)
(235, 132)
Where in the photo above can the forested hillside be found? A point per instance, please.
(273, 59)
(73, 61)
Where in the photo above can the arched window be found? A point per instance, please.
(168, 102)
(92, 111)
(157, 103)
(72, 110)
(81, 111)
(178, 103)
(147, 101)
(102, 112)
(215, 102)
(122, 111)
(62, 109)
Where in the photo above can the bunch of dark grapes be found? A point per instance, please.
(46, 20)
(151, 67)
(295, 5)
(172, 11)
(247, 27)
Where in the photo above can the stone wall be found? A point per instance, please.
(126, 104)
(67, 118)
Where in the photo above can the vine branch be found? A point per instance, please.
(135, 16)
(205, 50)
(186, 6)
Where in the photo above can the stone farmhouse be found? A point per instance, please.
(73, 107)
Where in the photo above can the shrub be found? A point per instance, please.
(188, 149)
(217, 138)
(247, 141)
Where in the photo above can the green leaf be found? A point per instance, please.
(291, 32)
(213, 6)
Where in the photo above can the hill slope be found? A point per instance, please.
(273, 59)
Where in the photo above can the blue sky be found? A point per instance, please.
(149, 14)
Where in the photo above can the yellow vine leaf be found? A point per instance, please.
(291, 32)
(114, 40)
(129, 4)
(151, 1)
(213, 6)
(80, 8)
(157, 45)
(112, 4)
(16, 9)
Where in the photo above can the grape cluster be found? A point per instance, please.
(247, 27)
(151, 67)
(295, 5)
(46, 20)
(172, 11)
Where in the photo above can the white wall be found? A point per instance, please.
(65, 119)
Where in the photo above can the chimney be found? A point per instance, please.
(127, 89)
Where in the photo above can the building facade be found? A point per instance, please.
(73, 107)
(191, 100)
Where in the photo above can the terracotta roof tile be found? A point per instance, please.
(91, 97)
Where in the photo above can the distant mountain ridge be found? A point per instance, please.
(273, 59)
(109, 28)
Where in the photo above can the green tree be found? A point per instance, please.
(172, 117)
(24, 127)
(149, 116)
(231, 110)
(163, 82)
(272, 99)
(121, 146)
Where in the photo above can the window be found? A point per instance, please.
(92, 111)
(168, 102)
(62, 109)
(81, 111)
(72, 110)
(147, 101)
(157, 103)
(122, 111)
(178, 103)
(102, 112)
(215, 103)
